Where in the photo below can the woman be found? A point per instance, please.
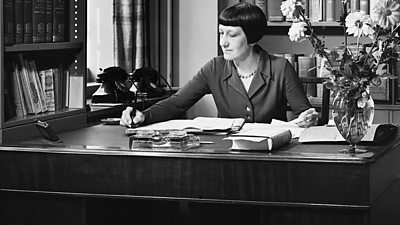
(245, 82)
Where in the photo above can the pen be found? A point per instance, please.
(133, 114)
(206, 142)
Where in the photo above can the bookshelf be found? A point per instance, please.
(331, 33)
(70, 53)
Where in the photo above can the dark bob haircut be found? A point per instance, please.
(247, 16)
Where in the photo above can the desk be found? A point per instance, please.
(300, 184)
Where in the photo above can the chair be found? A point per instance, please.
(325, 105)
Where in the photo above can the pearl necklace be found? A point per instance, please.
(247, 76)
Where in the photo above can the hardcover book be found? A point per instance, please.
(49, 20)
(260, 137)
(274, 11)
(28, 28)
(19, 21)
(306, 68)
(9, 35)
(39, 21)
(58, 20)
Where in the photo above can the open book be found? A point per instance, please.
(260, 137)
(376, 133)
(198, 124)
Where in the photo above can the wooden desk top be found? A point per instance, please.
(111, 140)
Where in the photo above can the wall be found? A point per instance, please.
(197, 44)
(99, 36)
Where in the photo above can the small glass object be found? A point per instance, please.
(163, 140)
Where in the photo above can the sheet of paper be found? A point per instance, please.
(331, 133)
(291, 125)
(213, 123)
(199, 123)
(167, 125)
(259, 130)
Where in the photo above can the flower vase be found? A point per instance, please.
(352, 117)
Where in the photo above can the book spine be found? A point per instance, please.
(306, 7)
(20, 90)
(330, 10)
(16, 95)
(39, 21)
(274, 11)
(48, 85)
(38, 85)
(354, 5)
(306, 68)
(338, 10)
(37, 100)
(262, 4)
(279, 140)
(19, 21)
(249, 1)
(26, 86)
(56, 82)
(9, 33)
(49, 20)
(316, 11)
(28, 28)
(364, 6)
(58, 20)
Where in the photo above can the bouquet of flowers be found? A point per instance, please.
(356, 71)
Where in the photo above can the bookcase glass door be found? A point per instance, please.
(43, 78)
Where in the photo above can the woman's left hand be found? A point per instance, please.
(308, 118)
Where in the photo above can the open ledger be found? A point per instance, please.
(260, 137)
(198, 124)
(376, 133)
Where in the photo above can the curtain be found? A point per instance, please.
(131, 38)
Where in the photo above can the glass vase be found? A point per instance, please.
(351, 119)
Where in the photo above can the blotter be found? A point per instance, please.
(259, 137)
(198, 124)
(376, 134)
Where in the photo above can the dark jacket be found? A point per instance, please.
(273, 86)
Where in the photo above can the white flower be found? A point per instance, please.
(288, 7)
(296, 31)
(359, 24)
(387, 13)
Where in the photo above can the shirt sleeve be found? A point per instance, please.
(294, 90)
(177, 104)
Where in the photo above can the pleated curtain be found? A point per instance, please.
(131, 38)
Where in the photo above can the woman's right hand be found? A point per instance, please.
(128, 121)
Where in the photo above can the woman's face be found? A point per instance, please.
(233, 42)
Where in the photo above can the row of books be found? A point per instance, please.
(313, 66)
(34, 21)
(37, 91)
(315, 10)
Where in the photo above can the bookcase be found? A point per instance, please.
(276, 41)
(68, 54)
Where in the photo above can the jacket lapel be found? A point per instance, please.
(233, 79)
(235, 82)
(262, 77)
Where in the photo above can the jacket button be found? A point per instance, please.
(248, 117)
(248, 109)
